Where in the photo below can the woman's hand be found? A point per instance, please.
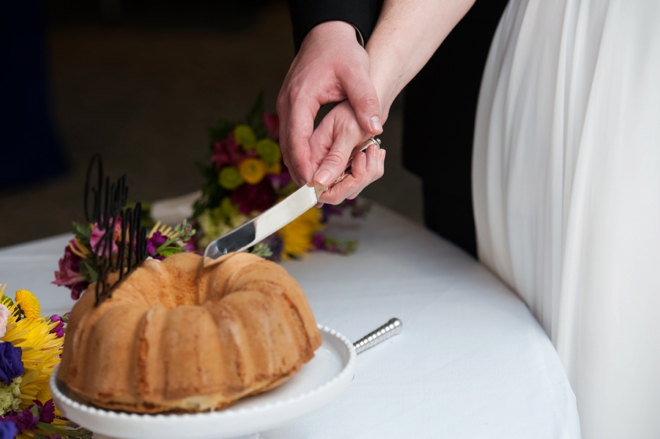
(330, 67)
(337, 139)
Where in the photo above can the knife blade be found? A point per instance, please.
(273, 219)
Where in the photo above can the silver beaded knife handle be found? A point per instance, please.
(388, 330)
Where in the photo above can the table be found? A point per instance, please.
(471, 362)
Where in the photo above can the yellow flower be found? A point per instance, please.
(297, 235)
(245, 137)
(253, 170)
(276, 168)
(41, 350)
(29, 304)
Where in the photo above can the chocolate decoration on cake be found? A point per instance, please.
(104, 204)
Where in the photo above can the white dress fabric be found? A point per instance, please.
(566, 178)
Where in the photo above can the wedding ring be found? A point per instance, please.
(370, 141)
(362, 147)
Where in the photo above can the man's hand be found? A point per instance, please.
(333, 143)
(330, 67)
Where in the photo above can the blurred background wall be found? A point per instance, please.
(139, 81)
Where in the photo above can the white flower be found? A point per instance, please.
(4, 315)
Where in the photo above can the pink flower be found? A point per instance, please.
(4, 315)
(254, 197)
(227, 152)
(69, 274)
(272, 122)
(97, 234)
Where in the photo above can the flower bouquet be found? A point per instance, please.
(246, 176)
(30, 349)
(77, 270)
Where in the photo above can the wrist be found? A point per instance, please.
(387, 91)
(335, 29)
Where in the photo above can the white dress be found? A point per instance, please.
(566, 178)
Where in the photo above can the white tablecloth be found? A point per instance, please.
(471, 362)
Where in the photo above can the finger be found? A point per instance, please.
(338, 193)
(376, 169)
(371, 171)
(362, 95)
(365, 168)
(302, 109)
(346, 135)
(283, 113)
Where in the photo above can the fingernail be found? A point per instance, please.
(323, 177)
(376, 126)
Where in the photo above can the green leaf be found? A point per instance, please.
(255, 117)
(288, 189)
(220, 131)
(89, 271)
(82, 231)
(262, 250)
(167, 252)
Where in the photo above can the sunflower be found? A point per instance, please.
(40, 347)
(297, 235)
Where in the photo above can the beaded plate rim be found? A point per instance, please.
(219, 414)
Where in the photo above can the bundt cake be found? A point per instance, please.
(179, 337)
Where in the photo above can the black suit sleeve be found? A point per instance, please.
(305, 14)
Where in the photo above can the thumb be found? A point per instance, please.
(362, 95)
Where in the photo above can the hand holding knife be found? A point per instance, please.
(273, 219)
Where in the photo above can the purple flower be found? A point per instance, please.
(326, 210)
(78, 289)
(8, 429)
(318, 241)
(25, 420)
(276, 246)
(254, 197)
(11, 365)
(59, 329)
(226, 152)
(69, 274)
(155, 241)
(272, 122)
(279, 181)
(46, 411)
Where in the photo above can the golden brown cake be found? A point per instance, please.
(176, 336)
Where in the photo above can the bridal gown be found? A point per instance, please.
(566, 177)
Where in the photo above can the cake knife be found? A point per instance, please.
(273, 219)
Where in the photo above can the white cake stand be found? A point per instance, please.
(320, 381)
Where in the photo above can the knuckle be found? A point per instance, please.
(294, 92)
(333, 198)
(335, 158)
(369, 100)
